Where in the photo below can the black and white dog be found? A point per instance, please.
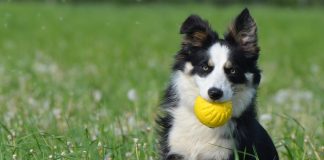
(218, 70)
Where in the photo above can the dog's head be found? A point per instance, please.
(222, 69)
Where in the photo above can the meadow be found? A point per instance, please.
(85, 81)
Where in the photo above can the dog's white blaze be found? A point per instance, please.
(188, 136)
(219, 56)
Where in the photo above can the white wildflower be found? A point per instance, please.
(93, 137)
(57, 113)
(32, 101)
(128, 154)
(321, 148)
(96, 95)
(281, 96)
(131, 121)
(108, 157)
(265, 117)
(132, 95)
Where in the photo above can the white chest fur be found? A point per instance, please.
(195, 141)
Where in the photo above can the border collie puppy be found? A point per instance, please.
(218, 70)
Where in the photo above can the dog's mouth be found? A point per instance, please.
(221, 100)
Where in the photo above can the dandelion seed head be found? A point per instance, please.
(9, 137)
(99, 144)
(135, 140)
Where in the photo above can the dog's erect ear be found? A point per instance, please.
(243, 32)
(196, 31)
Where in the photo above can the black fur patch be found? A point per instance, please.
(164, 121)
(197, 32)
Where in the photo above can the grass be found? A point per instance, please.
(84, 81)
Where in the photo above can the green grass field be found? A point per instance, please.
(84, 82)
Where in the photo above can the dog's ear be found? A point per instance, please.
(243, 32)
(196, 31)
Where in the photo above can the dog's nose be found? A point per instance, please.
(215, 93)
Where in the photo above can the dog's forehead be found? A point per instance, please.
(218, 53)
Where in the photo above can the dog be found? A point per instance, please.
(217, 69)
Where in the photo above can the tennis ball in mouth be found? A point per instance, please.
(212, 114)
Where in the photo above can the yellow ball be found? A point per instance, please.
(212, 114)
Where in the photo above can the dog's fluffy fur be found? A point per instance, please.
(206, 61)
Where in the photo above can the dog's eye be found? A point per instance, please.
(233, 71)
(205, 67)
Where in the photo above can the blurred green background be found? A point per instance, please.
(83, 79)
